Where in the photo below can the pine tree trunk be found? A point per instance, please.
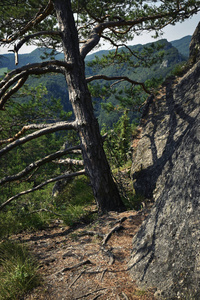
(96, 165)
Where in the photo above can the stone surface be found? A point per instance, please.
(166, 167)
(195, 44)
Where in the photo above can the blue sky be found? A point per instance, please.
(171, 33)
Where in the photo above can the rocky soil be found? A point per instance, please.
(87, 261)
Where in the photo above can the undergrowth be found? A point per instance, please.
(18, 271)
(37, 211)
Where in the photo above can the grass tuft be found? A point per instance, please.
(18, 271)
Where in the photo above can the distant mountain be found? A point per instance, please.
(7, 60)
(99, 53)
(183, 45)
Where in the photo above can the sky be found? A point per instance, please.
(171, 33)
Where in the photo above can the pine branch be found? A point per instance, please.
(96, 33)
(36, 34)
(21, 75)
(119, 79)
(34, 66)
(38, 18)
(37, 164)
(41, 186)
(29, 127)
(46, 130)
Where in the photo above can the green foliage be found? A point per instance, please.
(73, 214)
(36, 211)
(28, 214)
(180, 69)
(118, 140)
(29, 106)
(182, 45)
(150, 64)
(18, 271)
(72, 202)
(133, 201)
(33, 104)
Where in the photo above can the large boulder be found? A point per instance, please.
(166, 167)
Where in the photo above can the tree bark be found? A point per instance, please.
(97, 168)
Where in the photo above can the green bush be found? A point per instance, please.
(73, 201)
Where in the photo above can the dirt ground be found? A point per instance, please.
(87, 261)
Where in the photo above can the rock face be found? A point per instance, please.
(195, 45)
(166, 167)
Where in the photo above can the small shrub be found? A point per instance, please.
(13, 221)
(73, 214)
(134, 201)
(180, 69)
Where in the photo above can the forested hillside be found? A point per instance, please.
(172, 53)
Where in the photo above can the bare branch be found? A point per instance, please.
(96, 33)
(36, 34)
(28, 127)
(40, 16)
(41, 186)
(108, 235)
(13, 90)
(48, 129)
(28, 37)
(119, 78)
(54, 66)
(38, 163)
(35, 66)
(69, 161)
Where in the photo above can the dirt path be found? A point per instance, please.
(89, 261)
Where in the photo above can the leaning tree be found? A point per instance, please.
(76, 27)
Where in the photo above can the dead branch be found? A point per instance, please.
(34, 66)
(41, 186)
(85, 262)
(103, 273)
(23, 130)
(13, 90)
(24, 72)
(37, 164)
(70, 161)
(97, 296)
(109, 253)
(125, 296)
(88, 294)
(77, 277)
(36, 34)
(108, 236)
(48, 129)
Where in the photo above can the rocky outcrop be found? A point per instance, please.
(166, 167)
(195, 45)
